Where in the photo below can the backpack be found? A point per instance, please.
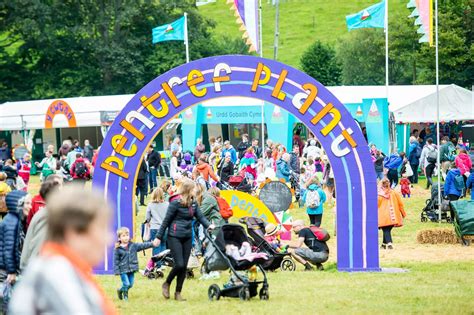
(459, 183)
(418, 151)
(313, 199)
(432, 156)
(321, 234)
(224, 209)
(80, 169)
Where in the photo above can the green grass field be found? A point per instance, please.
(301, 23)
(439, 280)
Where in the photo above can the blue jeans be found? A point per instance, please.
(380, 175)
(162, 247)
(152, 178)
(127, 281)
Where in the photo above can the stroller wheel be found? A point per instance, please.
(214, 292)
(190, 274)
(424, 219)
(263, 294)
(244, 294)
(159, 274)
(151, 275)
(287, 264)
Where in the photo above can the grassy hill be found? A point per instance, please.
(301, 23)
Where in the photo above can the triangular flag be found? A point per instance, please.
(411, 4)
(424, 39)
(365, 15)
(418, 21)
(421, 30)
(414, 13)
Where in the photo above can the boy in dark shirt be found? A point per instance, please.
(316, 251)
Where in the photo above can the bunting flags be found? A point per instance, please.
(423, 12)
(246, 12)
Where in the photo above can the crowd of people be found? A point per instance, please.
(44, 230)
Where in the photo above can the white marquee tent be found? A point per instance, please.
(410, 103)
(455, 103)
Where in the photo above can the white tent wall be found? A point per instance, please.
(456, 103)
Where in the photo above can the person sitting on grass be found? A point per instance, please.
(316, 252)
(60, 280)
(126, 260)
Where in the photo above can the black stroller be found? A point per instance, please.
(164, 259)
(215, 259)
(238, 182)
(431, 210)
(256, 230)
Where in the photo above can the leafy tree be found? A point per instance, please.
(362, 56)
(75, 48)
(319, 61)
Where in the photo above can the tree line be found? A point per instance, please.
(358, 58)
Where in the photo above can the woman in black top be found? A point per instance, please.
(226, 168)
(182, 210)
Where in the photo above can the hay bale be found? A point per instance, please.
(437, 236)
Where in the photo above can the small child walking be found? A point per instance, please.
(126, 260)
(405, 186)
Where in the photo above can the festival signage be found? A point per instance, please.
(246, 205)
(276, 195)
(59, 107)
(287, 88)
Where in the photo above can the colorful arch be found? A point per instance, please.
(59, 107)
(226, 76)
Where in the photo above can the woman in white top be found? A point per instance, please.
(174, 170)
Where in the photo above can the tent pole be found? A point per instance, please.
(437, 111)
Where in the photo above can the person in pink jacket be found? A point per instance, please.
(463, 162)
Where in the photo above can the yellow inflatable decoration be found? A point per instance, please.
(245, 205)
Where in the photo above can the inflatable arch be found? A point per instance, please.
(225, 76)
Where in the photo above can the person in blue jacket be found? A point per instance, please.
(282, 167)
(229, 148)
(392, 163)
(470, 184)
(315, 212)
(414, 158)
(452, 190)
(11, 237)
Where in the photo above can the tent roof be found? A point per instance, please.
(455, 103)
(31, 114)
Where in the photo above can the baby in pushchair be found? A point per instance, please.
(231, 249)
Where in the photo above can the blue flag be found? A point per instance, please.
(371, 17)
(173, 31)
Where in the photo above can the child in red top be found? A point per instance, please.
(405, 185)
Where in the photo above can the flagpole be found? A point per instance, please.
(386, 48)
(437, 109)
(260, 23)
(186, 41)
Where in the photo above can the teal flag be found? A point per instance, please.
(371, 17)
(172, 31)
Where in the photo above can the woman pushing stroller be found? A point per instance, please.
(178, 221)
